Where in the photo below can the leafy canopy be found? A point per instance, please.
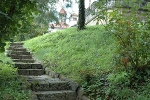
(17, 15)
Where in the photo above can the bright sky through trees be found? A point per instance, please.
(74, 7)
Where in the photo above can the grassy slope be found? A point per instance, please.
(71, 52)
(76, 53)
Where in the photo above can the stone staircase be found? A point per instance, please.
(43, 86)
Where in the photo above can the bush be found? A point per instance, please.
(7, 73)
(31, 31)
(131, 65)
(96, 86)
(131, 28)
(10, 84)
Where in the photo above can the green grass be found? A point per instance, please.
(87, 57)
(70, 52)
(4, 59)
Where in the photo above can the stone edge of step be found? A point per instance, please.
(60, 95)
(74, 85)
(52, 92)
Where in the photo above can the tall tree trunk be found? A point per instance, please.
(81, 20)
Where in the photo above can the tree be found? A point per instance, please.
(47, 12)
(81, 21)
(13, 15)
(17, 15)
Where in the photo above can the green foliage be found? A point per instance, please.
(109, 86)
(81, 20)
(10, 85)
(34, 30)
(4, 59)
(96, 86)
(102, 13)
(47, 12)
(121, 78)
(130, 26)
(14, 15)
(6, 73)
(132, 33)
(17, 17)
(87, 57)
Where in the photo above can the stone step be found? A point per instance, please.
(44, 86)
(14, 47)
(19, 53)
(49, 85)
(21, 56)
(41, 78)
(16, 43)
(56, 95)
(28, 66)
(28, 72)
(17, 48)
(24, 60)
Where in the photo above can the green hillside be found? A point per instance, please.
(87, 57)
(71, 52)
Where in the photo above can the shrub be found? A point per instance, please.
(10, 84)
(131, 65)
(131, 27)
(7, 73)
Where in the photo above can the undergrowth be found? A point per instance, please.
(10, 84)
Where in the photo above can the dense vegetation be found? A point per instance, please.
(10, 84)
(88, 57)
(110, 62)
(20, 17)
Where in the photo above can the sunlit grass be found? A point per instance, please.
(77, 54)
(70, 51)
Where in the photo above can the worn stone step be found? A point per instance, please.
(16, 43)
(56, 95)
(24, 60)
(14, 47)
(34, 72)
(20, 53)
(44, 86)
(41, 78)
(28, 66)
(19, 49)
(17, 56)
(21, 56)
(49, 85)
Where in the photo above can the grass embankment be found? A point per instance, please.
(71, 52)
(87, 57)
(10, 85)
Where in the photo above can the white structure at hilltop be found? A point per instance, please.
(73, 19)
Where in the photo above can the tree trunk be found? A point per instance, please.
(81, 20)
